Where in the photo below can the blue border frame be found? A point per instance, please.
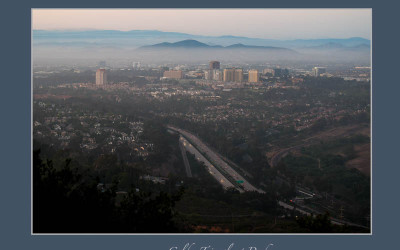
(16, 133)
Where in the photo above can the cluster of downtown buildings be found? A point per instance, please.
(215, 73)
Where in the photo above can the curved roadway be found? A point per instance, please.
(217, 160)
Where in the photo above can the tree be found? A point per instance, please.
(318, 224)
(66, 201)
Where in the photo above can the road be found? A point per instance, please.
(221, 165)
(199, 148)
(210, 167)
(278, 156)
(315, 212)
(290, 207)
(333, 220)
(185, 159)
(322, 136)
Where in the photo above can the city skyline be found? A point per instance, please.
(256, 23)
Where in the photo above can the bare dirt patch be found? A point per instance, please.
(340, 132)
(363, 160)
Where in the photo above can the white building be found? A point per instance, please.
(101, 77)
(318, 71)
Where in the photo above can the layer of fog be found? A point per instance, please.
(121, 57)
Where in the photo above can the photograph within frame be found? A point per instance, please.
(258, 132)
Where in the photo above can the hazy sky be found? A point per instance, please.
(262, 23)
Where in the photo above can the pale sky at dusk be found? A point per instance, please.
(261, 23)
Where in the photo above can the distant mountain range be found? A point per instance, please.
(139, 38)
(181, 44)
(335, 46)
(169, 47)
(193, 44)
(193, 50)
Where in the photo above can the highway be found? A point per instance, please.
(210, 167)
(202, 153)
(184, 156)
(290, 207)
(315, 212)
(221, 165)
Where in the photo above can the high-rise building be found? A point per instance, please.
(318, 71)
(268, 71)
(281, 72)
(215, 65)
(136, 65)
(101, 77)
(277, 72)
(208, 74)
(174, 74)
(233, 75)
(285, 72)
(238, 75)
(213, 74)
(254, 76)
(229, 75)
(217, 75)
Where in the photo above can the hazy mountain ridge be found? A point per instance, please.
(155, 46)
(333, 45)
(189, 43)
(138, 38)
(194, 44)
